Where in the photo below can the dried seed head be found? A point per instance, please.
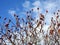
(58, 10)
(10, 36)
(57, 13)
(9, 31)
(32, 9)
(57, 16)
(17, 15)
(51, 32)
(29, 43)
(40, 22)
(46, 36)
(6, 25)
(54, 13)
(0, 17)
(37, 8)
(42, 17)
(51, 19)
(14, 15)
(27, 12)
(18, 18)
(46, 11)
(9, 20)
(5, 18)
(58, 24)
(22, 19)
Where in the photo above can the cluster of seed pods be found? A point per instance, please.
(30, 30)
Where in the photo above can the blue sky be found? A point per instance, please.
(9, 7)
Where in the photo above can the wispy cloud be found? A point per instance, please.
(26, 4)
(36, 3)
(50, 6)
(11, 12)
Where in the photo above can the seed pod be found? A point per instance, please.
(0, 17)
(9, 20)
(57, 16)
(59, 31)
(58, 24)
(42, 17)
(9, 31)
(27, 12)
(58, 10)
(57, 13)
(29, 43)
(5, 18)
(38, 24)
(51, 32)
(6, 25)
(46, 36)
(14, 15)
(32, 9)
(10, 36)
(37, 8)
(46, 11)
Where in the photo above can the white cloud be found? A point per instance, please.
(50, 6)
(12, 12)
(36, 3)
(26, 4)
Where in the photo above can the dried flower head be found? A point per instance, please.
(9, 20)
(41, 17)
(37, 8)
(46, 36)
(14, 15)
(57, 16)
(27, 12)
(6, 25)
(58, 31)
(9, 31)
(58, 10)
(46, 11)
(10, 36)
(29, 43)
(0, 17)
(51, 32)
(5, 18)
(58, 24)
(32, 9)
(57, 13)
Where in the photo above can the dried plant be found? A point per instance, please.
(29, 33)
